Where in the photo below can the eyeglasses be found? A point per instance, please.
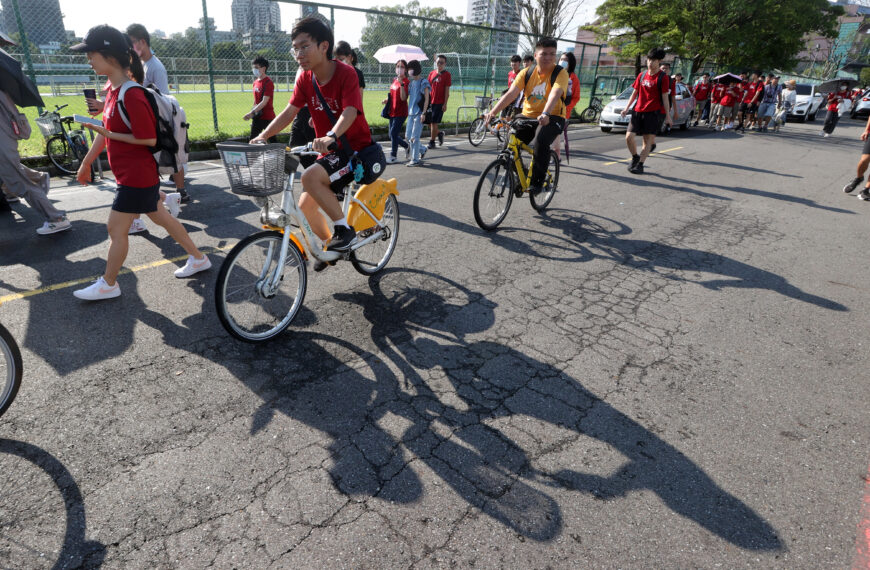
(296, 52)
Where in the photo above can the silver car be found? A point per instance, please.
(861, 105)
(684, 109)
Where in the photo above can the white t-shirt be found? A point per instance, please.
(155, 73)
(789, 98)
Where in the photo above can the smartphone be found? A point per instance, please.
(90, 94)
(89, 120)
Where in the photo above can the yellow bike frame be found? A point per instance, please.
(517, 147)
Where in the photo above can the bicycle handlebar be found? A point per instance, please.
(59, 107)
(306, 150)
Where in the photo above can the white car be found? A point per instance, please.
(807, 103)
(684, 106)
(861, 105)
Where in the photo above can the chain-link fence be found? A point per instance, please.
(210, 69)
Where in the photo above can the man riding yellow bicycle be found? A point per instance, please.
(544, 85)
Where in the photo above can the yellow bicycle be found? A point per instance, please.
(507, 176)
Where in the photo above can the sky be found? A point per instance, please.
(173, 16)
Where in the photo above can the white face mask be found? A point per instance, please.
(256, 72)
(563, 64)
(411, 73)
(843, 87)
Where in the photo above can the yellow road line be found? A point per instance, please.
(651, 154)
(124, 271)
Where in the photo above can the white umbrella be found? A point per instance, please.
(393, 53)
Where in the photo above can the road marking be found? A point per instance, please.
(124, 271)
(651, 154)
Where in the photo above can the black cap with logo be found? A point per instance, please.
(104, 38)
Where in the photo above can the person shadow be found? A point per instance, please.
(75, 550)
(462, 397)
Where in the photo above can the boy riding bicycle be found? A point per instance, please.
(325, 80)
(544, 85)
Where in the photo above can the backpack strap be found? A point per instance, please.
(553, 76)
(124, 116)
(346, 149)
(528, 71)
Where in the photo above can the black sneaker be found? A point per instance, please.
(634, 160)
(653, 149)
(321, 265)
(342, 239)
(852, 185)
(440, 139)
(638, 168)
(432, 143)
(864, 194)
(185, 197)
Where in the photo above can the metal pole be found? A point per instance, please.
(594, 75)
(28, 65)
(210, 65)
(580, 64)
(332, 18)
(422, 35)
(489, 66)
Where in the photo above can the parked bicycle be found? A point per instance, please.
(11, 369)
(498, 126)
(262, 282)
(64, 146)
(507, 176)
(591, 113)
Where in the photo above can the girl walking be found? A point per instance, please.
(398, 109)
(418, 102)
(111, 54)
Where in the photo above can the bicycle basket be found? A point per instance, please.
(49, 124)
(253, 169)
(482, 102)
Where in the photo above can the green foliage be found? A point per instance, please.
(228, 50)
(432, 37)
(864, 76)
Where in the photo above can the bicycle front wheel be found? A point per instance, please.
(61, 155)
(493, 195)
(589, 115)
(255, 298)
(372, 257)
(477, 132)
(11, 369)
(543, 199)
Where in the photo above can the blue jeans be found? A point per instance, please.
(396, 124)
(412, 133)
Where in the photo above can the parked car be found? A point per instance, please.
(861, 105)
(807, 103)
(684, 104)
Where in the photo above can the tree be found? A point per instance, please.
(228, 50)
(864, 76)
(632, 27)
(544, 18)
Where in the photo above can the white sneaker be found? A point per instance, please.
(98, 291)
(193, 266)
(137, 226)
(392, 160)
(54, 227)
(173, 203)
(826, 135)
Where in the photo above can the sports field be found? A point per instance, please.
(232, 106)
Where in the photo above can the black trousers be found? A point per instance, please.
(301, 133)
(258, 126)
(543, 138)
(831, 120)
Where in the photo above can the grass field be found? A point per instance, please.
(231, 107)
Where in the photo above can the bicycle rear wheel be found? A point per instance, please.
(11, 369)
(494, 194)
(371, 258)
(477, 132)
(62, 155)
(247, 306)
(542, 200)
(589, 115)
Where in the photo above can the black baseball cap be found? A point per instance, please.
(104, 38)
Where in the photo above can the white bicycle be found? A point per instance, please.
(262, 282)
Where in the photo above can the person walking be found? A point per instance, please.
(398, 110)
(863, 163)
(109, 53)
(20, 181)
(440, 80)
(770, 99)
(418, 101)
(345, 54)
(701, 93)
(651, 89)
(569, 63)
(263, 111)
(730, 98)
(833, 116)
(716, 93)
(787, 101)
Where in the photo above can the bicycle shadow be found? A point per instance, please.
(76, 551)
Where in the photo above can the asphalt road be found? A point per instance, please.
(660, 371)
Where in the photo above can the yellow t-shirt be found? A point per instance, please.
(537, 91)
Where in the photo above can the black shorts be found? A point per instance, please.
(645, 123)
(751, 108)
(339, 171)
(866, 146)
(437, 112)
(131, 200)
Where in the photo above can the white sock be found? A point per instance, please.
(342, 222)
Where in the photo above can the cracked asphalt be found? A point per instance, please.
(660, 371)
